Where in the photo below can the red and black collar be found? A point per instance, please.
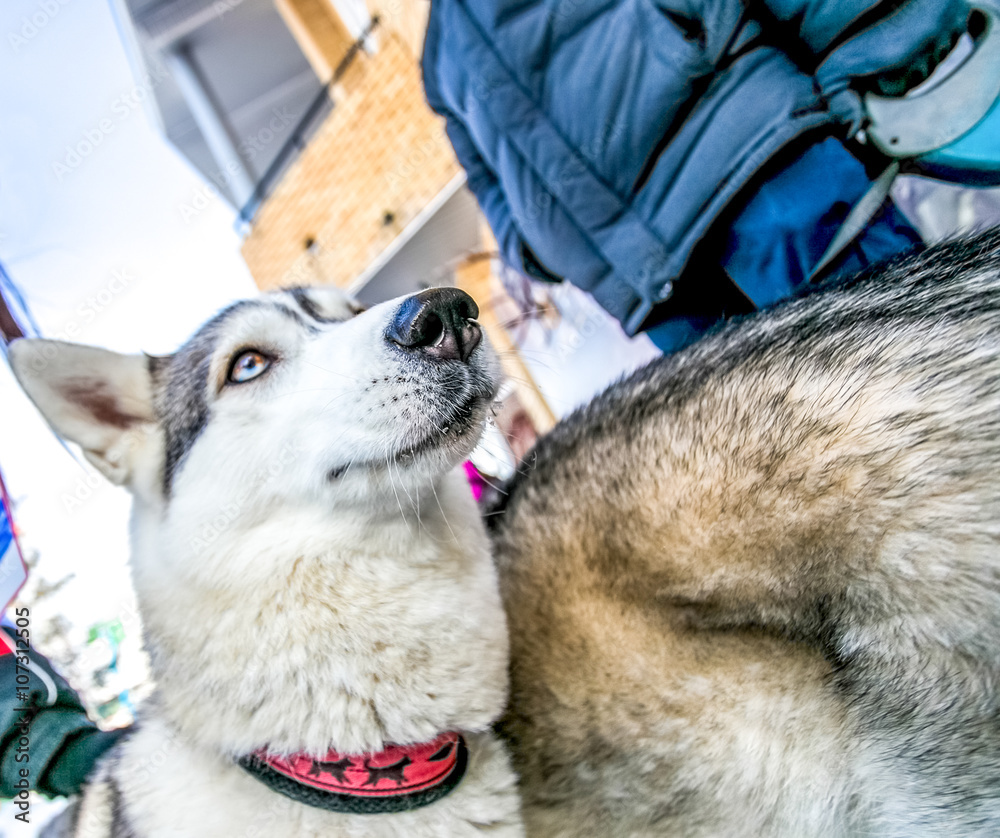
(397, 779)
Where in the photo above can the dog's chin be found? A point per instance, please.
(456, 433)
(452, 437)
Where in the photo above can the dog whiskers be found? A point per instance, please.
(333, 372)
(494, 486)
(444, 517)
(409, 497)
(347, 468)
(338, 396)
(399, 503)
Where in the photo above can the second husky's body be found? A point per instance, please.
(754, 590)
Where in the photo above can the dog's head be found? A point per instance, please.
(347, 404)
(293, 472)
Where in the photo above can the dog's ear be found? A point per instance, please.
(100, 400)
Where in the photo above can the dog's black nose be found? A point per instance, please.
(439, 322)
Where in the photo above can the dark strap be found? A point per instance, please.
(857, 219)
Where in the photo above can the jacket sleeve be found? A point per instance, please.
(900, 29)
(486, 187)
(50, 748)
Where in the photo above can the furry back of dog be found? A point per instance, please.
(754, 589)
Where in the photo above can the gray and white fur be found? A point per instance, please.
(310, 566)
(754, 589)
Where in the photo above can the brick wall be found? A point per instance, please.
(379, 158)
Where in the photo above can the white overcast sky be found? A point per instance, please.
(66, 232)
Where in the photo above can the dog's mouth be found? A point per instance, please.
(464, 418)
(451, 429)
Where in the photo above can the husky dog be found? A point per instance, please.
(319, 604)
(754, 589)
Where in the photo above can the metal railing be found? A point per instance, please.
(319, 108)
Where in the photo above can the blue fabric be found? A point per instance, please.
(777, 239)
(6, 533)
(771, 247)
(674, 334)
(604, 138)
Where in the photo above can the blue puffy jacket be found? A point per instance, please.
(603, 138)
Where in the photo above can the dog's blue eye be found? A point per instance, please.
(248, 365)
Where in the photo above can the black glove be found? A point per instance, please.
(56, 743)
